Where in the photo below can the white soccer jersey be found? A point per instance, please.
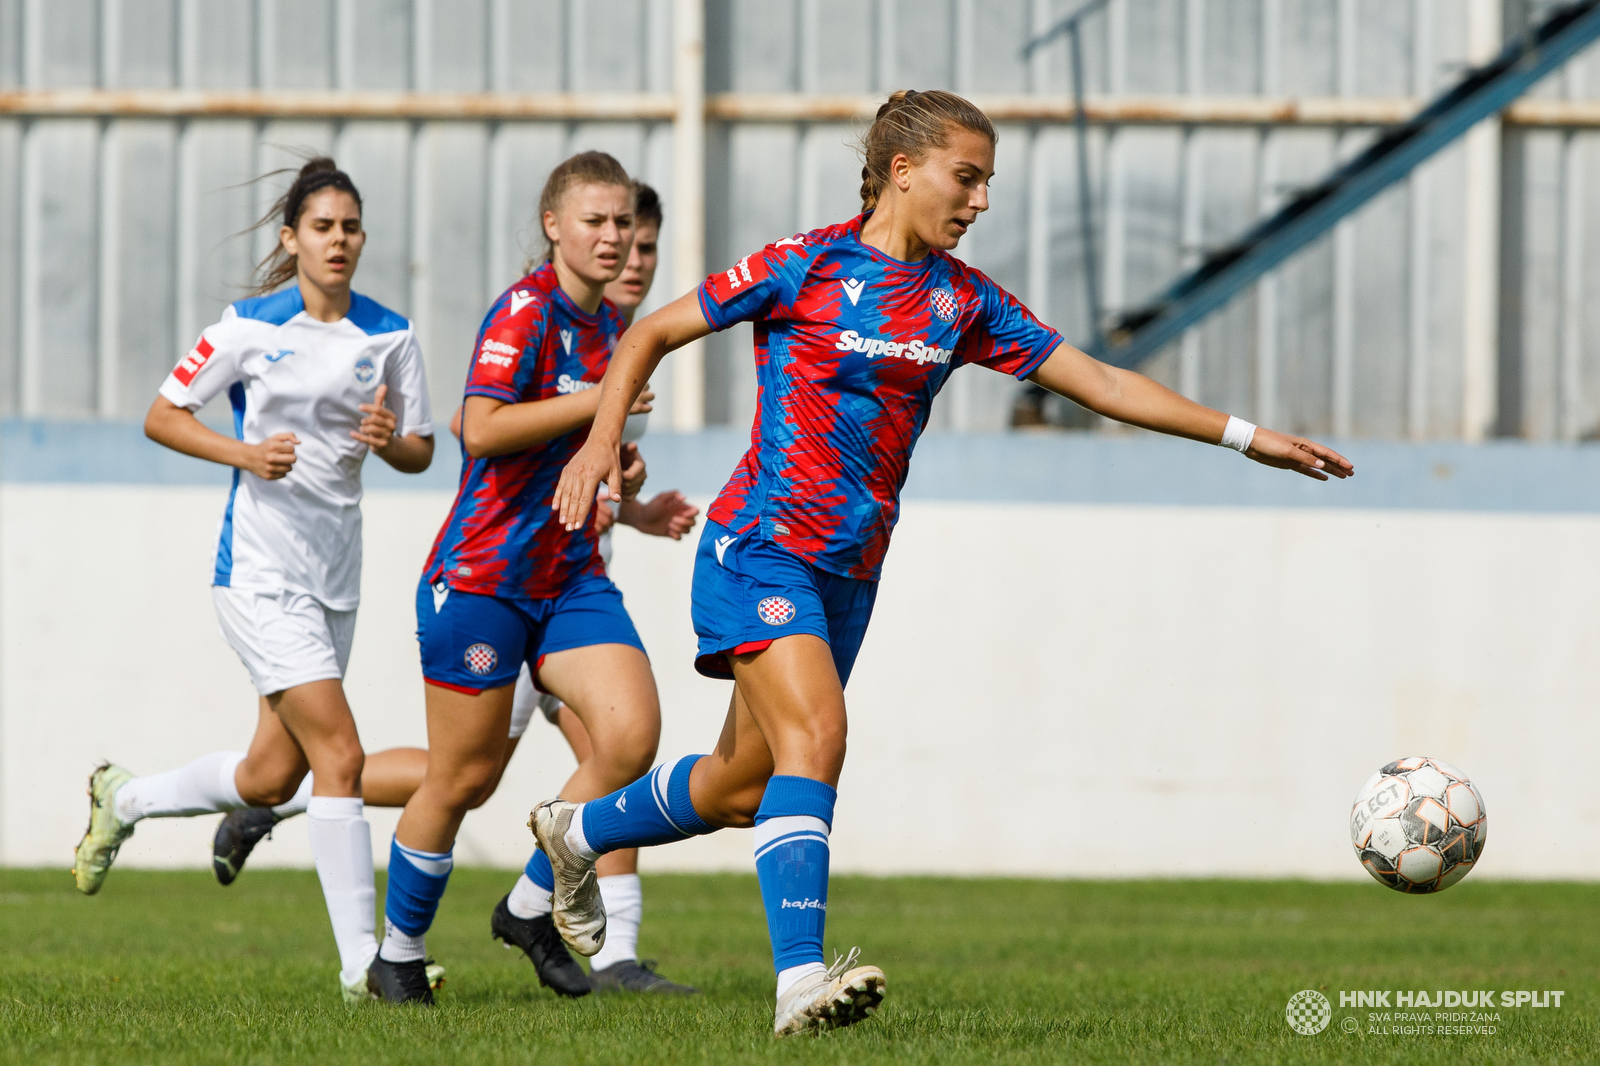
(286, 372)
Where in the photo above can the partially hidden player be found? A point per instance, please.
(317, 376)
(507, 584)
(857, 326)
(392, 776)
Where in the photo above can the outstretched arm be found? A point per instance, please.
(1139, 401)
(635, 359)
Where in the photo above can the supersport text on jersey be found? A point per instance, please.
(501, 538)
(851, 347)
(286, 372)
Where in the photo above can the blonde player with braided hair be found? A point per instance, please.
(857, 327)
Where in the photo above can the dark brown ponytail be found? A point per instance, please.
(319, 173)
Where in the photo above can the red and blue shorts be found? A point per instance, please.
(471, 642)
(748, 592)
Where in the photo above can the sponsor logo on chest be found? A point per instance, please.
(917, 351)
(566, 384)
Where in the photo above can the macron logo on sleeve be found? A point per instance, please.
(519, 300)
(190, 364)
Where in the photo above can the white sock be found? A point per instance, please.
(787, 979)
(204, 786)
(403, 947)
(341, 843)
(528, 900)
(624, 900)
(298, 802)
(577, 842)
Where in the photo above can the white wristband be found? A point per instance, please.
(1238, 435)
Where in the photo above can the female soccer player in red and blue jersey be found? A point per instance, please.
(506, 583)
(857, 326)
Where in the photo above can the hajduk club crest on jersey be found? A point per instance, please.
(775, 611)
(944, 304)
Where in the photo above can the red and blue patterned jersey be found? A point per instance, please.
(851, 347)
(501, 538)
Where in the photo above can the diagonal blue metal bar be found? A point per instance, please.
(1139, 334)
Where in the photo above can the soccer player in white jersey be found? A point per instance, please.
(317, 376)
(391, 776)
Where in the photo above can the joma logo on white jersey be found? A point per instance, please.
(497, 354)
(917, 351)
(566, 383)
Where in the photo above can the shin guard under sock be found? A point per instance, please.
(792, 828)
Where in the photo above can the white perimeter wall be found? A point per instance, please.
(1097, 691)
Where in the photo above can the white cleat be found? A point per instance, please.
(106, 833)
(579, 913)
(843, 995)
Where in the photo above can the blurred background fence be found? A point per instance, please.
(1450, 307)
(1182, 641)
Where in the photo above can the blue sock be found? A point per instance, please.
(792, 829)
(539, 872)
(416, 884)
(653, 810)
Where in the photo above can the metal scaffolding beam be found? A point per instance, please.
(1484, 91)
(266, 105)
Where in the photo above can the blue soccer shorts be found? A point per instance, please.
(472, 642)
(748, 592)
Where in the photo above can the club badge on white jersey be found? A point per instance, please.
(286, 372)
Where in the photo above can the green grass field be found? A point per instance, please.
(170, 968)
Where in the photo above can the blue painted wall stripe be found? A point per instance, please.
(1039, 468)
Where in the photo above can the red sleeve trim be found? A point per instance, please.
(453, 688)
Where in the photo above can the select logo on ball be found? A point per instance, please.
(481, 659)
(775, 611)
(1418, 825)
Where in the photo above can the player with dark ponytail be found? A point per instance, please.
(317, 376)
(857, 327)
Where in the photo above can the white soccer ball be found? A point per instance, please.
(1418, 825)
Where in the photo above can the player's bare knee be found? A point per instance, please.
(468, 787)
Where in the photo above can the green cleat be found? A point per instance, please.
(106, 833)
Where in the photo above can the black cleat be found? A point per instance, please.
(633, 976)
(400, 982)
(538, 939)
(237, 836)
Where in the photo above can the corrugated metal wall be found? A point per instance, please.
(119, 239)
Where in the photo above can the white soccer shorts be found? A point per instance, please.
(284, 638)
(526, 699)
